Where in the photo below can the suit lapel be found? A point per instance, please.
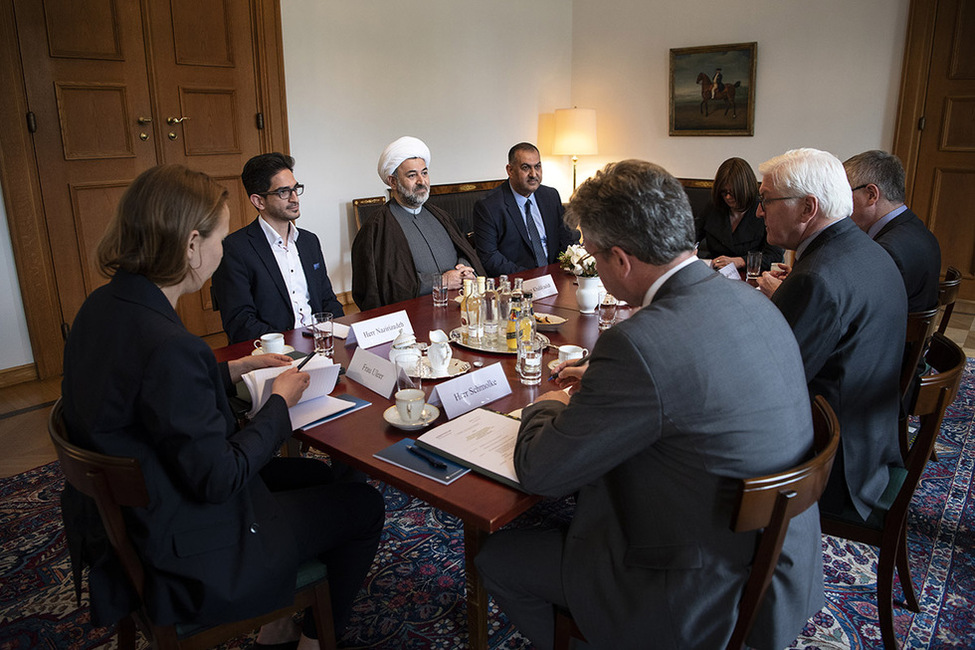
(516, 215)
(258, 242)
(309, 265)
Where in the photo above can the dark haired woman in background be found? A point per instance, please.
(227, 524)
(730, 228)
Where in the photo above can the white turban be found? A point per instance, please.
(399, 150)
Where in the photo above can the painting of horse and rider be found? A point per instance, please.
(712, 90)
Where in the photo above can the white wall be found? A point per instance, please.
(469, 78)
(828, 75)
(16, 350)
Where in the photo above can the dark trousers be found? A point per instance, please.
(522, 570)
(337, 522)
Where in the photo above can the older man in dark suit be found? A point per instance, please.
(877, 178)
(273, 275)
(848, 309)
(653, 442)
(519, 225)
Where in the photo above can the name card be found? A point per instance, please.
(373, 372)
(381, 329)
(467, 392)
(542, 287)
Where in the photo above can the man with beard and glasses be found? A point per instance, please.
(273, 276)
(406, 240)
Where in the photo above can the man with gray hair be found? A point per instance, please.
(877, 178)
(653, 441)
(406, 240)
(848, 309)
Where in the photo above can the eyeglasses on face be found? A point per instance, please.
(762, 200)
(284, 193)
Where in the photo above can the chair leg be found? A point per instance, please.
(904, 572)
(885, 598)
(322, 610)
(126, 634)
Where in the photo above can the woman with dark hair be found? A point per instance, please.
(228, 524)
(730, 227)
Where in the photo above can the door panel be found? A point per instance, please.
(93, 206)
(944, 183)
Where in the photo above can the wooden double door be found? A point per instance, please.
(115, 87)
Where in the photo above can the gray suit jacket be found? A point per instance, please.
(700, 388)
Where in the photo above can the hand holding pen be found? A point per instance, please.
(569, 373)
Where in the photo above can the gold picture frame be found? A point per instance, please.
(697, 107)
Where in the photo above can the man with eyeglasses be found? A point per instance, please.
(877, 178)
(847, 307)
(406, 242)
(273, 276)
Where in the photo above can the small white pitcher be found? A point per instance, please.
(439, 352)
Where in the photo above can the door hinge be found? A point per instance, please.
(260, 120)
(920, 123)
(31, 122)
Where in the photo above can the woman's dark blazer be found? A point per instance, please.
(137, 384)
(718, 239)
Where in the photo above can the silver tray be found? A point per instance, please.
(458, 335)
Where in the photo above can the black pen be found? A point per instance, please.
(573, 364)
(430, 459)
(304, 361)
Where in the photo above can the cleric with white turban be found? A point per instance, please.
(399, 150)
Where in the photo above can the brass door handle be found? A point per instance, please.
(144, 120)
(176, 120)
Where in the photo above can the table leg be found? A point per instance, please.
(477, 598)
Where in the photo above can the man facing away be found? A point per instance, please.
(519, 224)
(405, 241)
(273, 276)
(654, 440)
(877, 178)
(847, 307)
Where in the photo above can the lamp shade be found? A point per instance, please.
(575, 132)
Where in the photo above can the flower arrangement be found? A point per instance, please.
(576, 260)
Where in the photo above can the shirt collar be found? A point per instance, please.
(659, 282)
(519, 199)
(884, 220)
(273, 238)
(804, 244)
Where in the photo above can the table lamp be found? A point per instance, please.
(575, 135)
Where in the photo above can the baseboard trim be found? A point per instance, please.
(18, 375)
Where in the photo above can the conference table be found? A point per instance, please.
(482, 504)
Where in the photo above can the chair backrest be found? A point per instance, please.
(936, 392)
(947, 294)
(112, 482)
(770, 502)
(920, 327)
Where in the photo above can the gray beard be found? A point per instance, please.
(411, 199)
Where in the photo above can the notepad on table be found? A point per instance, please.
(400, 455)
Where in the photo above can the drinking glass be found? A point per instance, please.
(408, 370)
(321, 329)
(439, 285)
(607, 311)
(753, 265)
(530, 360)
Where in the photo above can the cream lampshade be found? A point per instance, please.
(575, 135)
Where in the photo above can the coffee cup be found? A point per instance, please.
(272, 342)
(410, 403)
(571, 352)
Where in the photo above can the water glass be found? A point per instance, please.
(321, 329)
(607, 311)
(530, 360)
(408, 370)
(753, 265)
(439, 285)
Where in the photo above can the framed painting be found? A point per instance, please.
(712, 90)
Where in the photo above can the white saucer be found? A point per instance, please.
(454, 367)
(430, 413)
(286, 350)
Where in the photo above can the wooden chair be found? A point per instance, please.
(947, 294)
(920, 327)
(116, 482)
(886, 528)
(769, 503)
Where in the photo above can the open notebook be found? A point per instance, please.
(315, 403)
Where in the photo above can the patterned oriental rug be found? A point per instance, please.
(414, 596)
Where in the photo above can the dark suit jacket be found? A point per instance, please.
(653, 442)
(917, 255)
(137, 384)
(382, 264)
(500, 234)
(717, 238)
(846, 304)
(250, 292)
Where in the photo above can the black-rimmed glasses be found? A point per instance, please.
(284, 193)
(762, 200)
